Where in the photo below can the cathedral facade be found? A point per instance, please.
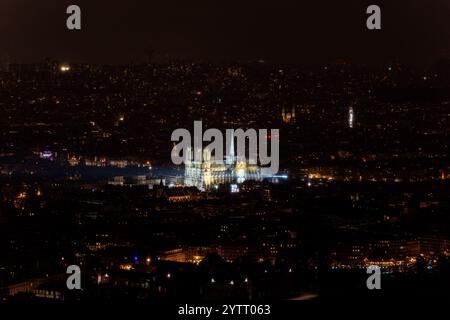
(209, 173)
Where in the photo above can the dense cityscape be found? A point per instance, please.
(87, 179)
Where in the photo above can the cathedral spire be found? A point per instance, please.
(230, 156)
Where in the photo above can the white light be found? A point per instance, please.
(64, 68)
(350, 117)
(240, 175)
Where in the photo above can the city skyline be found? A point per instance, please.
(189, 153)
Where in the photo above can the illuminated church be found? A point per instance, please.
(209, 173)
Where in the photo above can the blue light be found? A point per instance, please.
(136, 258)
(282, 176)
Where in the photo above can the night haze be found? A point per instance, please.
(301, 32)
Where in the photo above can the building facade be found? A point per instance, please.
(208, 173)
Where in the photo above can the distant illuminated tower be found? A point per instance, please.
(288, 117)
(351, 117)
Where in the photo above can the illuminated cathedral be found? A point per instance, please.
(209, 173)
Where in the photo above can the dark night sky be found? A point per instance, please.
(281, 30)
